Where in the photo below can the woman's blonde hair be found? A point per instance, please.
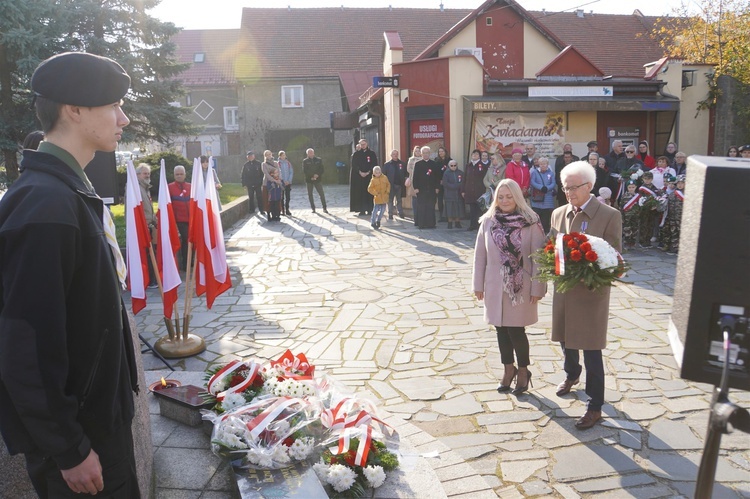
(522, 207)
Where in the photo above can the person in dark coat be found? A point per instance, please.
(395, 171)
(67, 359)
(362, 162)
(252, 180)
(426, 187)
(473, 187)
(442, 159)
(312, 167)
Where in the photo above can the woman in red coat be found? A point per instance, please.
(519, 171)
(643, 154)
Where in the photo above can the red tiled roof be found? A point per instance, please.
(355, 83)
(617, 44)
(277, 45)
(220, 49)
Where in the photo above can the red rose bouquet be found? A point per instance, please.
(576, 258)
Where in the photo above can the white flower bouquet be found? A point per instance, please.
(268, 433)
(357, 453)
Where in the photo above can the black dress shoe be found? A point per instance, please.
(325, 211)
(564, 387)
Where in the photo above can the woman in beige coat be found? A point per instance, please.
(503, 277)
(410, 197)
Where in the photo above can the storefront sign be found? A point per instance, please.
(627, 134)
(503, 131)
(582, 91)
(385, 81)
(427, 133)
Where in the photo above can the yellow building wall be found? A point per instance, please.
(466, 38)
(466, 78)
(537, 51)
(692, 131)
(581, 130)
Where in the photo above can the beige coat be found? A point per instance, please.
(488, 277)
(580, 316)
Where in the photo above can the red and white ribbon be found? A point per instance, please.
(228, 371)
(559, 255)
(292, 364)
(645, 190)
(679, 195)
(631, 203)
(241, 387)
(364, 433)
(268, 416)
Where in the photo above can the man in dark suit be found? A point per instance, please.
(312, 167)
(579, 316)
(426, 186)
(252, 180)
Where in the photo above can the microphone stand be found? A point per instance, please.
(723, 418)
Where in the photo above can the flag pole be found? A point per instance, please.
(189, 277)
(167, 322)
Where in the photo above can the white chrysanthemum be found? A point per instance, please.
(270, 385)
(253, 456)
(301, 448)
(265, 460)
(308, 389)
(273, 373)
(281, 454)
(321, 469)
(341, 477)
(232, 401)
(281, 428)
(234, 441)
(375, 476)
(607, 255)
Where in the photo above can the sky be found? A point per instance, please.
(202, 14)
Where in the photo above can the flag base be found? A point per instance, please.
(178, 348)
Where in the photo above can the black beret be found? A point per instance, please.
(249, 153)
(80, 79)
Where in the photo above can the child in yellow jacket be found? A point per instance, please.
(379, 188)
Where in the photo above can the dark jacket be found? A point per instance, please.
(395, 170)
(426, 177)
(312, 166)
(67, 362)
(252, 174)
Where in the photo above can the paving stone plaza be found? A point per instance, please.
(391, 313)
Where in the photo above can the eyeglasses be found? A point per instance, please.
(629, 152)
(571, 189)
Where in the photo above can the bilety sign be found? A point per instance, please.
(385, 81)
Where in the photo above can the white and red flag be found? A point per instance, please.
(212, 276)
(138, 241)
(167, 243)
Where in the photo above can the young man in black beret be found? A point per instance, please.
(67, 358)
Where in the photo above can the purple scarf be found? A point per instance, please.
(506, 232)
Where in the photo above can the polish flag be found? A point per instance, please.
(213, 272)
(196, 180)
(137, 242)
(167, 243)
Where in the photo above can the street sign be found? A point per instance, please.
(385, 81)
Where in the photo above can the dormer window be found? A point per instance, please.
(199, 57)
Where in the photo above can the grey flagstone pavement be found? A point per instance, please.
(391, 314)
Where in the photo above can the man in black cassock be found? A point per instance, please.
(363, 160)
(426, 187)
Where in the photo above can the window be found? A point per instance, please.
(488, 21)
(231, 121)
(292, 96)
(199, 57)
